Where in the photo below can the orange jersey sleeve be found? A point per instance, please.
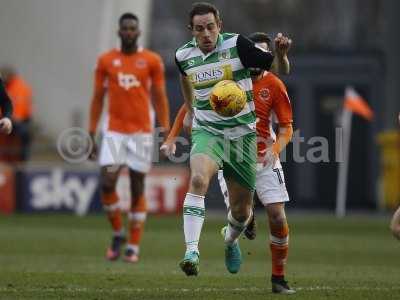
(20, 94)
(160, 99)
(157, 71)
(96, 106)
(178, 124)
(281, 102)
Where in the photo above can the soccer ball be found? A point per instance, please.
(227, 98)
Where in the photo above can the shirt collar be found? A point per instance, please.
(219, 43)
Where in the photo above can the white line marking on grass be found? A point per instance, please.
(186, 290)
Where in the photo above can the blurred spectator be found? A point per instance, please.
(16, 147)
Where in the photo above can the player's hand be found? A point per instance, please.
(93, 152)
(270, 158)
(282, 44)
(6, 125)
(187, 123)
(168, 148)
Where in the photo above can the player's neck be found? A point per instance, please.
(129, 49)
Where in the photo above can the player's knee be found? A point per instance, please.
(278, 218)
(395, 230)
(107, 186)
(239, 214)
(199, 182)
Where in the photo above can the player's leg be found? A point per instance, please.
(251, 229)
(112, 157)
(138, 160)
(240, 173)
(136, 216)
(202, 169)
(279, 246)
(271, 190)
(395, 224)
(203, 165)
(108, 180)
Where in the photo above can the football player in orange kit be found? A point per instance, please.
(270, 95)
(6, 110)
(131, 76)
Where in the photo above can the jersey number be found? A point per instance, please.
(278, 173)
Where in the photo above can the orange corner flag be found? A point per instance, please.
(356, 104)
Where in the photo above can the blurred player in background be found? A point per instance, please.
(208, 58)
(6, 110)
(395, 223)
(20, 93)
(132, 76)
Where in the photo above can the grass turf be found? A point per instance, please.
(62, 257)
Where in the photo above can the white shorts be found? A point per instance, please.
(270, 184)
(133, 150)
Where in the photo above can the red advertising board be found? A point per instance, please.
(7, 190)
(165, 189)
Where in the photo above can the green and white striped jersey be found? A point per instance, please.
(231, 59)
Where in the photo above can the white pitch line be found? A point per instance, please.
(197, 290)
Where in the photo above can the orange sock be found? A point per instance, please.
(114, 215)
(279, 245)
(137, 218)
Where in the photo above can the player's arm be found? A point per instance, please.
(187, 93)
(281, 64)
(178, 124)
(186, 88)
(283, 110)
(159, 93)
(6, 109)
(168, 147)
(161, 106)
(395, 224)
(97, 102)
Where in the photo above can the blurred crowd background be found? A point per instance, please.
(49, 49)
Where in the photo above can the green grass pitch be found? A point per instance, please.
(62, 257)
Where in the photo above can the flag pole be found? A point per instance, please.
(341, 190)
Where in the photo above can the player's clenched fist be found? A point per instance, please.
(282, 44)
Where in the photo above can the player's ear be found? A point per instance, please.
(219, 23)
(189, 27)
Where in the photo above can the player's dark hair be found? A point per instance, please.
(261, 37)
(203, 8)
(127, 16)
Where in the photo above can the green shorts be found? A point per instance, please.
(237, 158)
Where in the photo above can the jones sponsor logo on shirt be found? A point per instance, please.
(210, 76)
(127, 81)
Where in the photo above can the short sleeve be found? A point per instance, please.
(157, 71)
(179, 67)
(100, 73)
(281, 105)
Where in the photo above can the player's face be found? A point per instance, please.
(129, 32)
(255, 72)
(205, 29)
